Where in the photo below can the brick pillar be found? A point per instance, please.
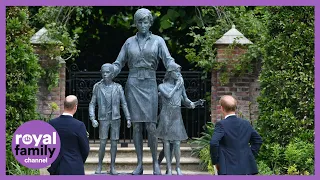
(237, 86)
(215, 115)
(244, 88)
(57, 94)
(62, 85)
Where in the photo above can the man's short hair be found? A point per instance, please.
(70, 102)
(228, 103)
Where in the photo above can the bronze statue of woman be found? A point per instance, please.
(142, 53)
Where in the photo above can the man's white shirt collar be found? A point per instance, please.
(229, 115)
(67, 114)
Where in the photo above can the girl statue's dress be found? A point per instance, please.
(171, 126)
(171, 130)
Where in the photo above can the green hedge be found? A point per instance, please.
(286, 101)
(22, 76)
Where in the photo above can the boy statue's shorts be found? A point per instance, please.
(113, 125)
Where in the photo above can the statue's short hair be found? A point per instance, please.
(142, 13)
(108, 65)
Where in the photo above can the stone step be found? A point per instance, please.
(96, 143)
(128, 164)
(44, 171)
(126, 160)
(130, 152)
(150, 172)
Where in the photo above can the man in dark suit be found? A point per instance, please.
(230, 151)
(74, 141)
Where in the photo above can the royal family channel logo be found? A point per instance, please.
(35, 144)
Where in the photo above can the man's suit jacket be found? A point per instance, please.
(74, 146)
(230, 149)
(98, 97)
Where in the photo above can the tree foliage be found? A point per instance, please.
(215, 22)
(103, 30)
(22, 76)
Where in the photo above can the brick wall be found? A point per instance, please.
(244, 88)
(57, 94)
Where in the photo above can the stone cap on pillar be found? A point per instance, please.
(233, 35)
(41, 37)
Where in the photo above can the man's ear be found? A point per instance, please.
(75, 108)
(222, 109)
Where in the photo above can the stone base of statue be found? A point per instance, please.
(108, 173)
(119, 174)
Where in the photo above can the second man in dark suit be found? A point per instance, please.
(229, 147)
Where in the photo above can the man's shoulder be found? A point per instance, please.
(76, 121)
(245, 121)
(60, 119)
(53, 121)
(221, 122)
(56, 119)
(224, 121)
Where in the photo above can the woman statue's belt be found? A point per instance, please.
(142, 73)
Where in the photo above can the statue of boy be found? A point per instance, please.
(108, 95)
(171, 127)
